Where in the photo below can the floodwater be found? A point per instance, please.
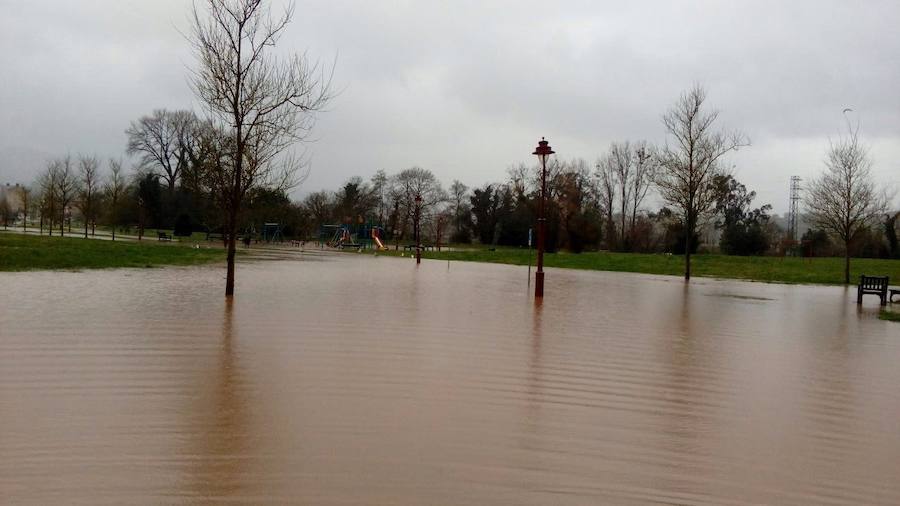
(347, 379)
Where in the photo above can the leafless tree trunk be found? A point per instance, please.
(25, 199)
(89, 189)
(66, 185)
(114, 189)
(262, 103)
(688, 168)
(844, 200)
(49, 203)
(395, 220)
(606, 180)
(459, 192)
(644, 173)
(622, 160)
(420, 182)
(5, 210)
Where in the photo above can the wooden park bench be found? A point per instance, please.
(875, 285)
(162, 236)
(425, 247)
(893, 291)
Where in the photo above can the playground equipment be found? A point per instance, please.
(375, 237)
(337, 237)
(342, 238)
(359, 236)
(271, 232)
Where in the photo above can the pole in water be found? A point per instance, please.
(529, 258)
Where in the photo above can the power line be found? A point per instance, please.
(795, 204)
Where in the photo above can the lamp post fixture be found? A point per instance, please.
(543, 152)
(418, 218)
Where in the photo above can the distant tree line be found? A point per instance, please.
(181, 182)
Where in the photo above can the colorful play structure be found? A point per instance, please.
(271, 232)
(362, 236)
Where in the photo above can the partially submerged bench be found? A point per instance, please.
(875, 285)
(893, 291)
(423, 247)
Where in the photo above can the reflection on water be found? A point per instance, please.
(348, 379)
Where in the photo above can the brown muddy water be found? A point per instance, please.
(348, 379)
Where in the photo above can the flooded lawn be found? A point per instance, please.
(348, 379)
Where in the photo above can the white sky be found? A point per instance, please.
(466, 88)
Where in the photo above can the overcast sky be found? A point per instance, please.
(466, 89)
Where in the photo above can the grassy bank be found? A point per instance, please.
(890, 316)
(20, 252)
(769, 269)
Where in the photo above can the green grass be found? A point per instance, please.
(768, 269)
(149, 233)
(29, 252)
(889, 316)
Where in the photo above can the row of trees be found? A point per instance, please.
(584, 209)
(602, 206)
(179, 184)
(66, 185)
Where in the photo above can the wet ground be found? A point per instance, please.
(349, 379)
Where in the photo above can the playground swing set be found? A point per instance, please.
(363, 236)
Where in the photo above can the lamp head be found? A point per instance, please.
(543, 151)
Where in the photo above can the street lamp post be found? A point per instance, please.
(418, 218)
(543, 152)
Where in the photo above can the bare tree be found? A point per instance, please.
(844, 200)
(644, 173)
(161, 140)
(66, 190)
(687, 169)
(379, 188)
(622, 159)
(6, 210)
(114, 189)
(48, 202)
(439, 221)
(89, 191)
(459, 193)
(606, 195)
(58, 190)
(320, 206)
(25, 201)
(420, 182)
(263, 104)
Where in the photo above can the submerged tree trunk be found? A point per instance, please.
(230, 246)
(846, 262)
(687, 259)
(689, 232)
(229, 276)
